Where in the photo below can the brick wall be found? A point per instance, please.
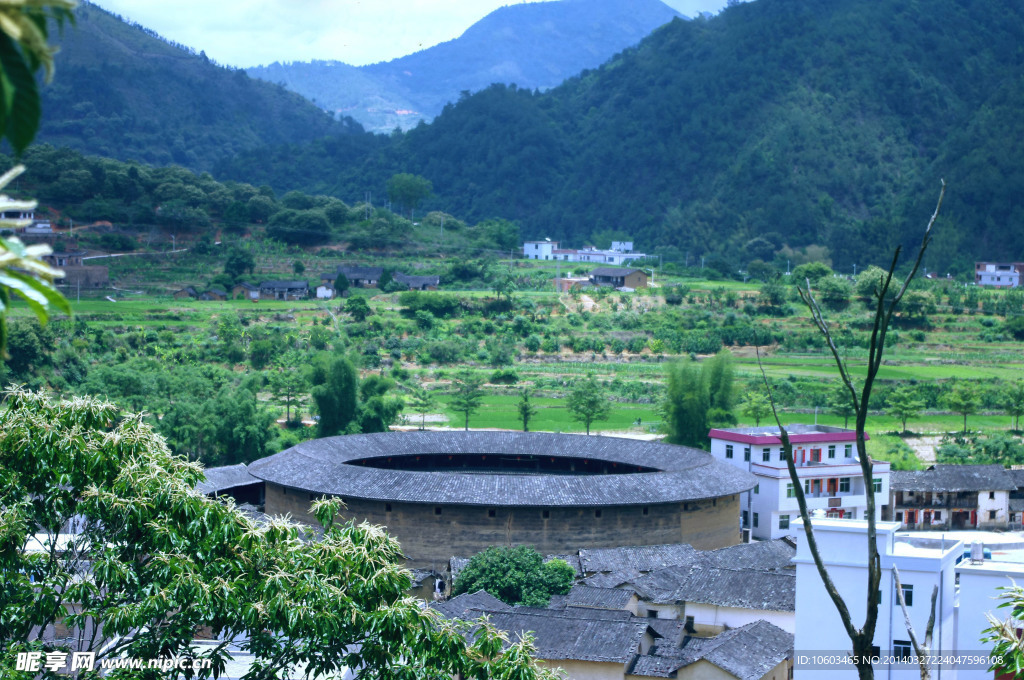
(429, 539)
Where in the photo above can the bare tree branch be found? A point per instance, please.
(922, 650)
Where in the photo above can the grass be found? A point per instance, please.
(552, 416)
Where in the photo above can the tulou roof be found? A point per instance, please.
(636, 558)
(325, 466)
(225, 477)
(953, 478)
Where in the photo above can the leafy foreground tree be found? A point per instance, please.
(1008, 648)
(886, 293)
(516, 575)
(155, 561)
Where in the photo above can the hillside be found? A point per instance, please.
(775, 122)
(123, 92)
(535, 46)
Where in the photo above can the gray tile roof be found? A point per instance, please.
(636, 558)
(763, 555)
(226, 477)
(416, 280)
(469, 605)
(745, 588)
(353, 273)
(322, 466)
(568, 636)
(284, 285)
(1016, 505)
(1017, 476)
(611, 579)
(611, 271)
(747, 652)
(599, 598)
(953, 478)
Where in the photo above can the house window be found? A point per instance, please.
(899, 516)
(790, 491)
(437, 509)
(831, 450)
(646, 510)
(844, 484)
(908, 594)
(807, 486)
(746, 453)
(597, 513)
(876, 484)
(491, 512)
(546, 514)
(755, 520)
(991, 514)
(901, 649)
(652, 613)
(782, 454)
(744, 517)
(991, 495)
(938, 515)
(728, 450)
(689, 624)
(816, 455)
(387, 507)
(757, 488)
(766, 454)
(783, 521)
(848, 451)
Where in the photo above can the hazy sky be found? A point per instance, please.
(254, 32)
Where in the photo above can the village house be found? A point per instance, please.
(358, 277)
(245, 291)
(284, 290)
(952, 497)
(325, 291)
(186, 292)
(417, 282)
(76, 272)
(539, 250)
(213, 294)
(998, 274)
(826, 463)
(618, 278)
(620, 253)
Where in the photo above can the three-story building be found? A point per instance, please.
(827, 466)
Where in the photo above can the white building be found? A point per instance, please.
(539, 250)
(998, 274)
(843, 548)
(826, 463)
(979, 584)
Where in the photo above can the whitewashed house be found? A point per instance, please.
(843, 547)
(826, 463)
(539, 250)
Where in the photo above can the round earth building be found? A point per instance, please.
(455, 493)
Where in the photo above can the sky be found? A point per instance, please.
(258, 32)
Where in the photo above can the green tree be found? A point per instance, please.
(834, 292)
(587, 403)
(755, 405)
(686, 405)
(1012, 400)
(335, 393)
(341, 284)
(903, 404)
(516, 576)
(289, 386)
(1007, 653)
(358, 307)
(720, 373)
(239, 262)
(298, 268)
(467, 394)
(422, 402)
(408, 190)
(839, 404)
(811, 271)
(378, 411)
(154, 562)
(963, 399)
(526, 409)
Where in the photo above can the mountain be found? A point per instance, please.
(776, 122)
(535, 46)
(122, 91)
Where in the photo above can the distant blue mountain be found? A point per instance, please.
(535, 46)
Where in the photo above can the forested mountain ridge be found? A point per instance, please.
(775, 122)
(534, 45)
(123, 92)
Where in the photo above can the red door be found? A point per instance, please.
(911, 517)
(974, 518)
(833, 486)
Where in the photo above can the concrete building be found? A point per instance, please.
(621, 253)
(979, 584)
(843, 547)
(998, 274)
(827, 466)
(445, 493)
(539, 250)
(619, 278)
(952, 497)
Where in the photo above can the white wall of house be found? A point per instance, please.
(978, 587)
(843, 546)
(993, 508)
(715, 616)
(663, 611)
(539, 250)
(588, 670)
(324, 292)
